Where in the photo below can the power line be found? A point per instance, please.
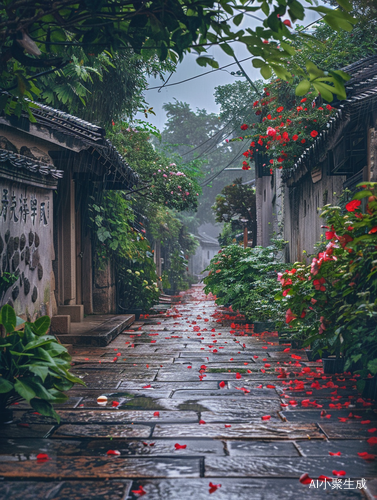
(238, 155)
(198, 76)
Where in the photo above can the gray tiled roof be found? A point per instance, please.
(361, 91)
(35, 166)
(91, 135)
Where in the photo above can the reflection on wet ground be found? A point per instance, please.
(194, 408)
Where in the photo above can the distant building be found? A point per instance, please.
(207, 249)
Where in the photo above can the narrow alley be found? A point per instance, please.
(191, 404)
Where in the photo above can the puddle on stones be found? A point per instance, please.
(141, 403)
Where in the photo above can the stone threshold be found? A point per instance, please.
(96, 330)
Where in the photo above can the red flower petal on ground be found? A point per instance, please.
(372, 440)
(147, 386)
(339, 472)
(266, 417)
(366, 456)
(156, 414)
(113, 452)
(213, 487)
(180, 446)
(373, 429)
(228, 425)
(269, 386)
(335, 454)
(305, 479)
(222, 384)
(141, 491)
(43, 457)
(201, 422)
(115, 404)
(238, 376)
(365, 422)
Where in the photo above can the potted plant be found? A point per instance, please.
(33, 366)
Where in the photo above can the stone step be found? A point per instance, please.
(97, 332)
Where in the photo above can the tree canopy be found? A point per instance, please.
(35, 35)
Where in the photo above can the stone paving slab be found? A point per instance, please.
(102, 468)
(263, 448)
(251, 443)
(28, 449)
(289, 467)
(65, 490)
(25, 431)
(331, 416)
(249, 431)
(346, 447)
(113, 416)
(238, 489)
(103, 431)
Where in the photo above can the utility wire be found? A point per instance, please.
(239, 154)
(198, 76)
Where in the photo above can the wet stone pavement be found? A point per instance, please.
(196, 408)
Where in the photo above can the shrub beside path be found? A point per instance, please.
(188, 405)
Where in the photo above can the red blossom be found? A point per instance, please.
(289, 316)
(314, 133)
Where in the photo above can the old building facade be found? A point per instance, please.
(50, 172)
(342, 155)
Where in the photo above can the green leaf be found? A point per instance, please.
(24, 390)
(258, 63)
(227, 49)
(266, 71)
(59, 397)
(5, 385)
(372, 366)
(288, 48)
(8, 318)
(44, 408)
(324, 91)
(302, 88)
(47, 339)
(337, 23)
(17, 353)
(238, 19)
(362, 194)
(345, 4)
(204, 61)
(62, 384)
(265, 8)
(41, 371)
(41, 325)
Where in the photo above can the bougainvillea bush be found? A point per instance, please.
(334, 299)
(285, 125)
(246, 280)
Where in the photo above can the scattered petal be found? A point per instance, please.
(305, 479)
(180, 446)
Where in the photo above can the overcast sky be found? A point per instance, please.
(199, 92)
